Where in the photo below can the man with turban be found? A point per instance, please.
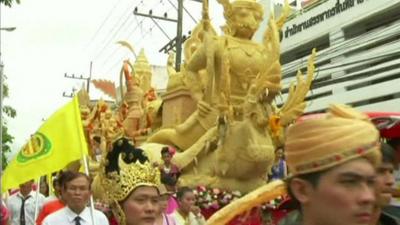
(332, 163)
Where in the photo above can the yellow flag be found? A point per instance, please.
(58, 141)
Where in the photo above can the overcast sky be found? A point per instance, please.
(54, 37)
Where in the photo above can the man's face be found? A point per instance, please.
(344, 195)
(76, 193)
(141, 206)
(26, 188)
(385, 181)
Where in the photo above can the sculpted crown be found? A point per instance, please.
(245, 3)
(124, 169)
(240, 3)
(230, 5)
(131, 176)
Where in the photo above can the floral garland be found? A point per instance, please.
(215, 198)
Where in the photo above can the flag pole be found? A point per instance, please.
(37, 199)
(91, 196)
(85, 164)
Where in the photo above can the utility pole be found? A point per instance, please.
(90, 77)
(81, 77)
(179, 39)
(71, 95)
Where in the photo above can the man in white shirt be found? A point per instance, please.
(76, 190)
(22, 205)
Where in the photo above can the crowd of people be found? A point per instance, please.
(340, 172)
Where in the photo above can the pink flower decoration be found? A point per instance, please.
(216, 191)
(171, 150)
(201, 188)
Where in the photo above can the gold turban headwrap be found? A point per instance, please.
(339, 136)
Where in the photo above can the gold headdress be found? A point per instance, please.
(342, 135)
(123, 169)
(251, 4)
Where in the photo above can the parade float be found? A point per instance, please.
(218, 112)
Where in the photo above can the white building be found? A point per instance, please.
(358, 60)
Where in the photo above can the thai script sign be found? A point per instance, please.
(338, 8)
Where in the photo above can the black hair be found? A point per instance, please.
(313, 178)
(55, 182)
(388, 153)
(394, 142)
(165, 150)
(128, 152)
(59, 179)
(68, 176)
(97, 139)
(182, 191)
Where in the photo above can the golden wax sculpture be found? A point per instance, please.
(131, 114)
(229, 141)
(143, 70)
(138, 104)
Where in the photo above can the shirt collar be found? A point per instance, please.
(30, 194)
(84, 215)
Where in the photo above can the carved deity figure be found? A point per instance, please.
(233, 60)
(229, 141)
(221, 69)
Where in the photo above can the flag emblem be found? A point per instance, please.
(37, 147)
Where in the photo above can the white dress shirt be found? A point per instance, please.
(14, 203)
(66, 216)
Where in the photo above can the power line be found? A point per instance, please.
(116, 49)
(120, 27)
(184, 8)
(126, 54)
(112, 37)
(102, 24)
(114, 30)
(138, 25)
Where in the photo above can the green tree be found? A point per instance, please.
(9, 2)
(8, 112)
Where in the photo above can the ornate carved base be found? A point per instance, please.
(178, 106)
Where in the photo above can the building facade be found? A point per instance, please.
(358, 59)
